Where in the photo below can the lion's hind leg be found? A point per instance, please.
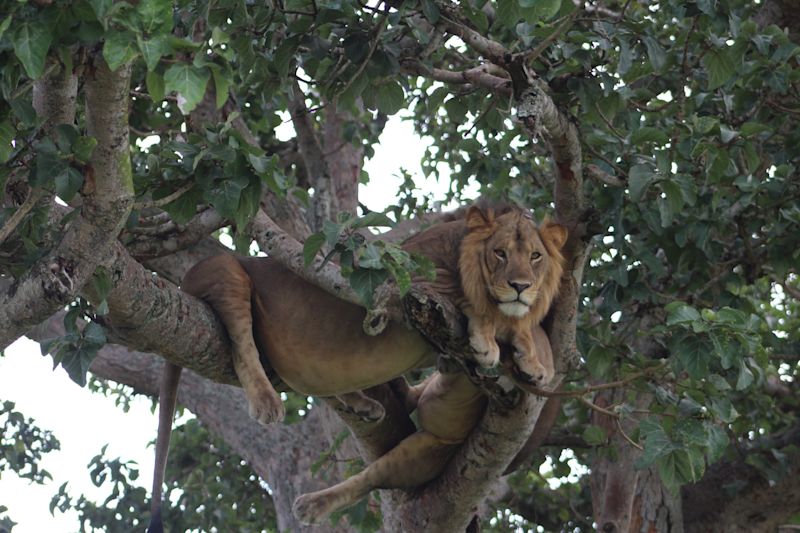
(224, 284)
(418, 459)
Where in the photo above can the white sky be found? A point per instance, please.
(84, 422)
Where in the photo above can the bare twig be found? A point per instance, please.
(596, 173)
(161, 202)
(11, 224)
(533, 55)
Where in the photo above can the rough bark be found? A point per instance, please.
(107, 197)
(734, 496)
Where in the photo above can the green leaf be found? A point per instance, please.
(390, 97)
(48, 165)
(649, 135)
(119, 48)
(156, 15)
(155, 86)
(76, 362)
(7, 133)
(101, 8)
(68, 183)
(311, 247)
(656, 54)
(594, 435)
(225, 197)
(5, 25)
(374, 219)
(599, 360)
(692, 353)
(83, 147)
(430, 10)
(746, 377)
(639, 178)
(364, 281)
(31, 41)
(720, 68)
(539, 10)
(657, 443)
(222, 83)
(370, 257)
(717, 442)
(94, 334)
(153, 49)
(190, 84)
(508, 12)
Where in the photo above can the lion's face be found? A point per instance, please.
(520, 264)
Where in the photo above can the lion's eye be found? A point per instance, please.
(535, 256)
(501, 254)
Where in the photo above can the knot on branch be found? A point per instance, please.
(530, 105)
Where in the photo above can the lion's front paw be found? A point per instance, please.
(532, 370)
(487, 352)
(266, 407)
(311, 509)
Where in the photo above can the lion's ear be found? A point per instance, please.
(478, 218)
(554, 234)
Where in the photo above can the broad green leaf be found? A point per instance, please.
(311, 247)
(119, 48)
(390, 97)
(639, 177)
(94, 334)
(83, 147)
(370, 257)
(101, 8)
(594, 435)
(48, 165)
(717, 442)
(691, 353)
(364, 281)
(155, 86)
(373, 219)
(222, 83)
(31, 41)
(156, 15)
(7, 133)
(539, 10)
(508, 12)
(189, 82)
(225, 197)
(5, 25)
(655, 53)
(746, 377)
(68, 183)
(153, 49)
(430, 10)
(719, 66)
(649, 134)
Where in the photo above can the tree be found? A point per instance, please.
(156, 124)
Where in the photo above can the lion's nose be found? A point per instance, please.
(519, 286)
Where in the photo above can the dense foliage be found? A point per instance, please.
(690, 129)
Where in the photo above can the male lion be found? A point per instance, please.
(316, 344)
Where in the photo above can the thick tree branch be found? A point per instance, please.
(108, 190)
(451, 21)
(173, 237)
(748, 501)
(487, 76)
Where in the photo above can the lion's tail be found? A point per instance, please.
(167, 398)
